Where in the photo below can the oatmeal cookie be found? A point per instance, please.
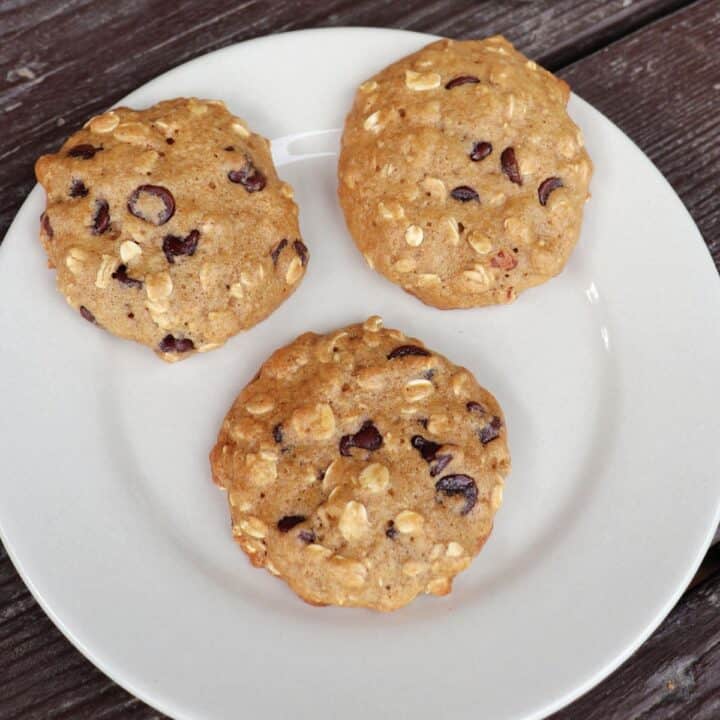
(461, 175)
(362, 468)
(169, 226)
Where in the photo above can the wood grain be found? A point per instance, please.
(63, 61)
(662, 87)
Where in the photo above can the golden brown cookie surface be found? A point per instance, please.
(169, 226)
(461, 176)
(362, 468)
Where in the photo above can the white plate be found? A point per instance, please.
(608, 375)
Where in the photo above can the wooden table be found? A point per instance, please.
(652, 66)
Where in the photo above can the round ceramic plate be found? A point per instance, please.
(608, 376)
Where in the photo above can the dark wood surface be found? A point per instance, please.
(652, 66)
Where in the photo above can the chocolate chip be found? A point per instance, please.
(429, 374)
(87, 315)
(288, 522)
(173, 245)
(546, 187)
(278, 433)
(475, 407)
(163, 194)
(346, 443)
(404, 350)
(480, 151)
(464, 193)
(302, 251)
(307, 536)
(84, 151)
(101, 218)
(46, 226)
(428, 449)
(179, 345)
(391, 530)
(441, 462)
(230, 148)
(78, 189)
(504, 260)
(490, 431)
(459, 485)
(249, 177)
(461, 80)
(170, 141)
(275, 252)
(121, 276)
(366, 438)
(508, 161)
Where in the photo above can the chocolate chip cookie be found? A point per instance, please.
(461, 175)
(169, 226)
(362, 468)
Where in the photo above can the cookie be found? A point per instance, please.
(362, 468)
(461, 175)
(169, 226)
